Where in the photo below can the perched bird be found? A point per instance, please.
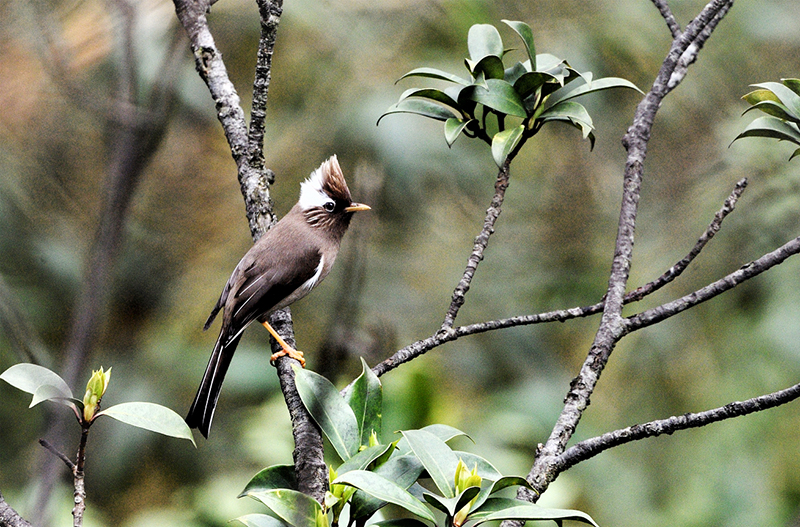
(287, 262)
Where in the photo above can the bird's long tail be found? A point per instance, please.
(205, 402)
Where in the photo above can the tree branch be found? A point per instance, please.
(669, 18)
(481, 241)
(9, 517)
(254, 179)
(420, 347)
(591, 447)
(612, 327)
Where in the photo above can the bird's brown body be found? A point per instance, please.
(281, 267)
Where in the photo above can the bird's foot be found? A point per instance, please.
(288, 352)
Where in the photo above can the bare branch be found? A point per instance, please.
(67, 461)
(420, 347)
(747, 271)
(9, 517)
(669, 18)
(591, 447)
(481, 241)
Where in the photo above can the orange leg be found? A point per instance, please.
(287, 350)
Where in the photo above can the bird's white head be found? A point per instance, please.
(324, 187)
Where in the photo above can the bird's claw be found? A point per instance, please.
(288, 352)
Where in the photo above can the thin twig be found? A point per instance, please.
(67, 461)
(591, 447)
(481, 241)
(669, 18)
(9, 517)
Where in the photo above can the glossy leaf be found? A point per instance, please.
(504, 142)
(490, 66)
(260, 520)
(532, 81)
(150, 416)
(438, 74)
(400, 522)
(291, 506)
(498, 95)
(329, 410)
(772, 127)
(792, 84)
(432, 94)
(534, 512)
(484, 40)
(365, 398)
(274, 477)
(362, 459)
(773, 108)
(786, 96)
(485, 469)
(451, 506)
(512, 74)
(453, 128)
(526, 34)
(32, 378)
(385, 490)
(596, 85)
(492, 505)
(437, 458)
(404, 470)
(420, 107)
(569, 110)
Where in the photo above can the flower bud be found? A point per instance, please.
(95, 389)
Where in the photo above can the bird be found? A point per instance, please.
(284, 265)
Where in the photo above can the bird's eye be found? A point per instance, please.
(329, 206)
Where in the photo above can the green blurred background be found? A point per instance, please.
(334, 71)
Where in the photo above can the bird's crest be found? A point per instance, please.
(324, 184)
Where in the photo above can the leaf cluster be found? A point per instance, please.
(505, 106)
(781, 103)
(373, 474)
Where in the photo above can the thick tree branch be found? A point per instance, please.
(591, 447)
(612, 328)
(247, 149)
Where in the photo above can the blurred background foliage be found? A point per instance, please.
(334, 71)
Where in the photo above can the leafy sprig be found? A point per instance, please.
(504, 106)
(781, 103)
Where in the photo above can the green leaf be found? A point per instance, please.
(492, 505)
(150, 416)
(274, 477)
(773, 108)
(451, 506)
(404, 470)
(788, 98)
(329, 410)
(291, 506)
(420, 107)
(453, 128)
(504, 142)
(365, 398)
(362, 460)
(498, 95)
(432, 94)
(490, 66)
(757, 96)
(772, 127)
(485, 469)
(526, 34)
(792, 84)
(437, 458)
(569, 111)
(433, 73)
(484, 40)
(534, 512)
(512, 74)
(400, 522)
(385, 490)
(42, 383)
(259, 520)
(596, 85)
(529, 82)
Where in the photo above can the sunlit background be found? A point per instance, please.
(335, 68)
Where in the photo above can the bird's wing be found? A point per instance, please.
(263, 282)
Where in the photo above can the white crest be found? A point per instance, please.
(311, 193)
